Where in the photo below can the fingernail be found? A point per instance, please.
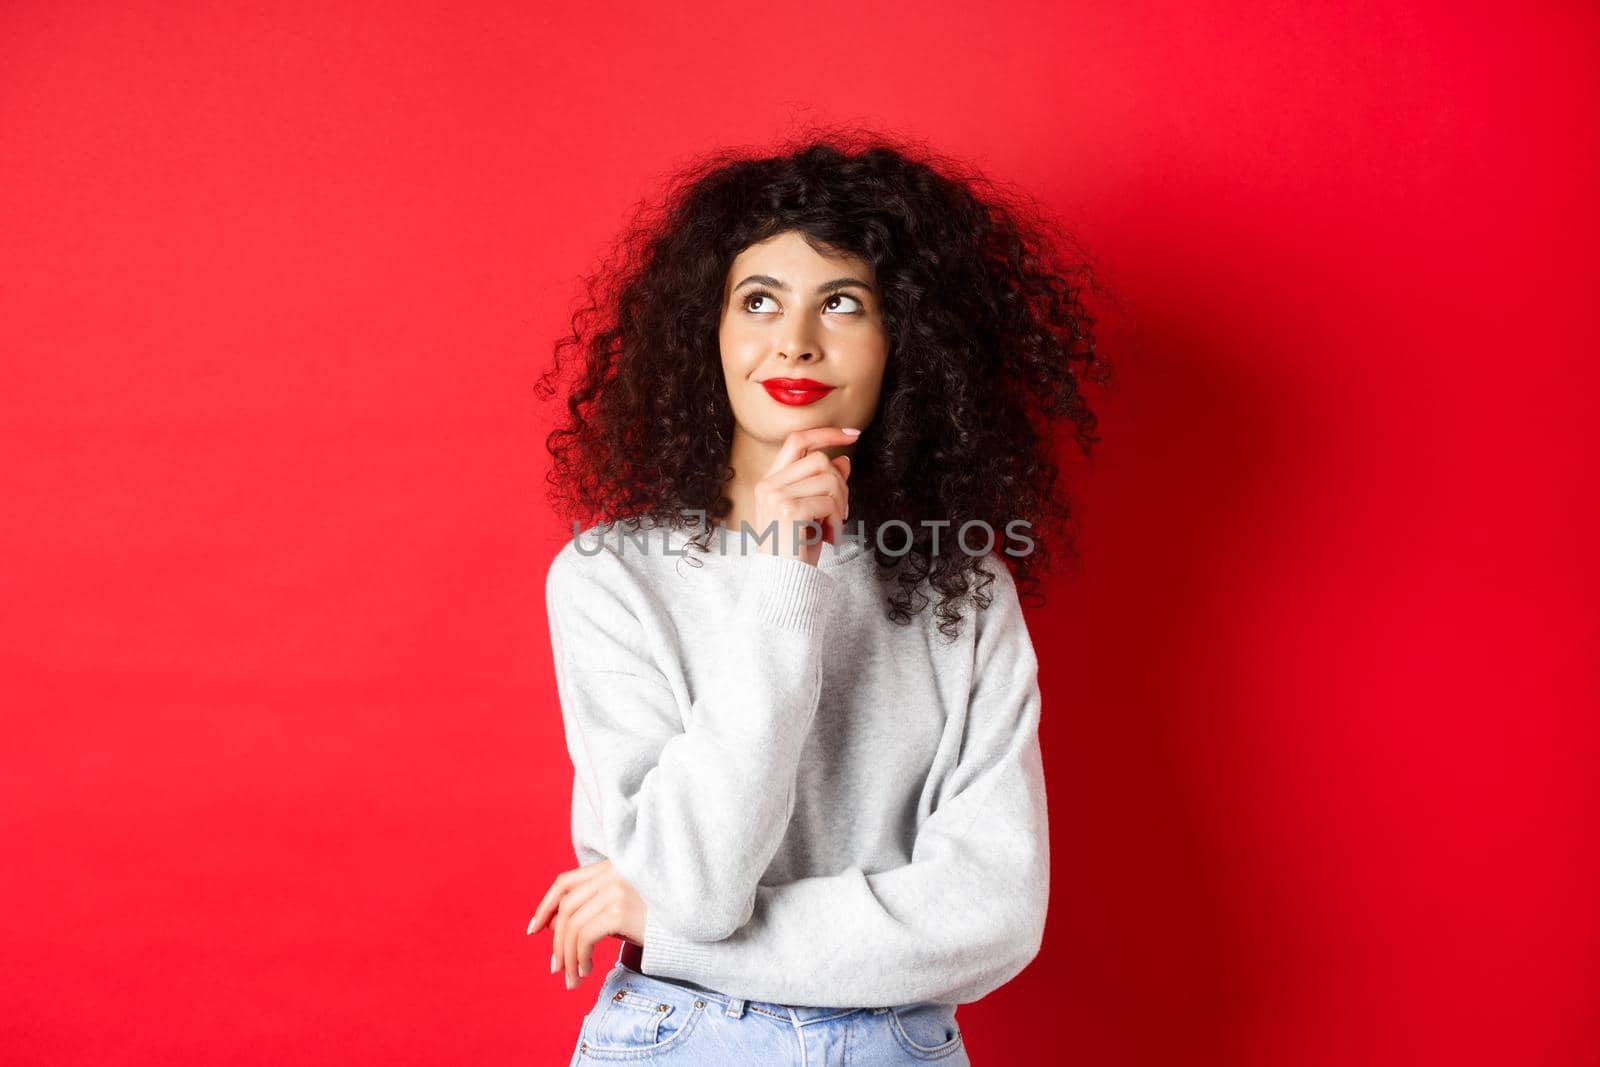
(851, 431)
(570, 982)
(583, 970)
(555, 964)
(532, 922)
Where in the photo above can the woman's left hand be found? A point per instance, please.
(589, 903)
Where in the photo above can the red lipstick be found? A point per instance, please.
(796, 390)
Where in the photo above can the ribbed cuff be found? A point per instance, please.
(669, 956)
(784, 592)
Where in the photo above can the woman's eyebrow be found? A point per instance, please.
(825, 287)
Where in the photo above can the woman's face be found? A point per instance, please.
(789, 312)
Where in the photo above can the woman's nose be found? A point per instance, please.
(801, 346)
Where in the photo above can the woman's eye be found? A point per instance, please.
(830, 304)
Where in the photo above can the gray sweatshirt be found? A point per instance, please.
(818, 806)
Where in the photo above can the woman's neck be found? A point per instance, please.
(750, 458)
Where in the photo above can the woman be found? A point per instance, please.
(814, 812)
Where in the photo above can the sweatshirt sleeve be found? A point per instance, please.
(691, 813)
(964, 917)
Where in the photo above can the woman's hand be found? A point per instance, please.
(805, 485)
(589, 903)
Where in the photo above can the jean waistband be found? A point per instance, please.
(631, 956)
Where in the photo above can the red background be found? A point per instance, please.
(284, 772)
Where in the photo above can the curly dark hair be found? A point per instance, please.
(988, 340)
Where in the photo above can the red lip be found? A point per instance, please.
(796, 391)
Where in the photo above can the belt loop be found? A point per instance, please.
(735, 1007)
